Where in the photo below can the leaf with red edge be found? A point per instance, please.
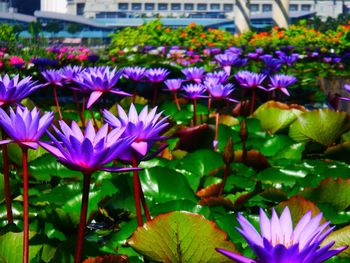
(341, 238)
(211, 190)
(254, 159)
(335, 192)
(217, 201)
(108, 259)
(181, 237)
(298, 207)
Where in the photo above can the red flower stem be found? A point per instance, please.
(142, 195)
(209, 104)
(25, 206)
(194, 112)
(222, 185)
(217, 117)
(93, 118)
(80, 112)
(177, 101)
(155, 94)
(56, 100)
(137, 197)
(252, 102)
(242, 101)
(83, 212)
(7, 182)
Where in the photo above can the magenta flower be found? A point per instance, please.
(25, 127)
(156, 75)
(146, 127)
(173, 84)
(194, 91)
(282, 82)
(280, 243)
(227, 60)
(249, 79)
(194, 73)
(14, 90)
(134, 73)
(89, 151)
(99, 80)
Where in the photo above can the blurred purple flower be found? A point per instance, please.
(146, 127)
(194, 91)
(194, 73)
(220, 76)
(93, 58)
(289, 60)
(134, 73)
(53, 77)
(173, 84)
(69, 73)
(89, 151)
(227, 60)
(273, 65)
(99, 80)
(279, 242)
(282, 82)
(25, 127)
(220, 91)
(156, 74)
(43, 63)
(347, 89)
(251, 80)
(12, 91)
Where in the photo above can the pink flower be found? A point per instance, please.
(16, 61)
(81, 57)
(1, 63)
(70, 56)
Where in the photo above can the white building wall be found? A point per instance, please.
(59, 6)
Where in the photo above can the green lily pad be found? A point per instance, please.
(341, 238)
(323, 126)
(181, 237)
(275, 116)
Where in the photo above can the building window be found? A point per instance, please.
(305, 7)
(228, 7)
(175, 7)
(123, 6)
(215, 7)
(149, 6)
(162, 7)
(189, 7)
(293, 7)
(254, 8)
(267, 8)
(201, 7)
(136, 6)
(80, 9)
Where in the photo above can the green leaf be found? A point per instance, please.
(275, 144)
(323, 126)
(180, 237)
(11, 247)
(341, 238)
(275, 116)
(46, 166)
(162, 184)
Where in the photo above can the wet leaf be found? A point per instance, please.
(180, 237)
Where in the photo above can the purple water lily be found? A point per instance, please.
(282, 82)
(69, 73)
(146, 127)
(53, 77)
(194, 74)
(134, 73)
(194, 91)
(280, 243)
(89, 151)
(100, 80)
(156, 75)
(227, 60)
(220, 76)
(251, 80)
(25, 127)
(220, 91)
(12, 91)
(273, 65)
(173, 84)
